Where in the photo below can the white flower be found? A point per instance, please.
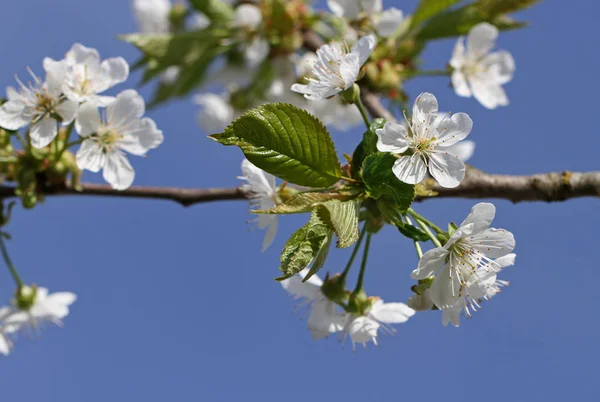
(216, 112)
(152, 16)
(388, 22)
(5, 342)
(363, 329)
(37, 105)
(124, 129)
(335, 113)
(84, 76)
(323, 319)
(420, 302)
(248, 17)
(477, 290)
(52, 308)
(428, 137)
(479, 73)
(472, 246)
(352, 9)
(263, 193)
(336, 69)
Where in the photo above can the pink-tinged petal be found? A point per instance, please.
(43, 132)
(90, 156)
(447, 169)
(391, 313)
(481, 217)
(410, 169)
(392, 138)
(88, 120)
(460, 85)
(493, 243)
(431, 262)
(117, 171)
(445, 289)
(481, 39)
(452, 129)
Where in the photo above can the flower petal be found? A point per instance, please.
(447, 169)
(128, 107)
(500, 65)
(431, 262)
(445, 289)
(363, 329)
(392, 138)
(481, 39)
(117, 171)
(452, 129)
(323, 319)
(488, 93)
(271, 227)
(389, 22)
(481, 216)
(256, 52)
(460, 85)
(410, 169)
(391, 313)
(113, 71)
(493, 243)
(13, 115)
(90, 156)
(458, 54)
(88, 120)
(464, 149)
(425, 111)
(420, 302)
(349, 69)
(310, 290)
(142, 137)
(452, 314)
(67, 110)
(43, 132)
(55, 74)
(363, 48)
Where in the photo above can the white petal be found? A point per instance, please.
(464, 150)
(363, 329)
(391, 313)
(445, 290)
(256, 52)
(493, 243)
(363, 48)
(64, 298)
(452, 315)
(113, 71)
(118, 171)
(488, 93)
(500, 65)
(97, 100)
(410, 169)
(260, 181)
(323, 319)
(452, 129)
(141, 137)
(459, 82)
(80, 54)
(247, 15)
(389, 22)
(55, 74)
(216, 112)
(67, 110)
(420, 302)
(431, 262)
(349, 69)
(447, 169)
(481, 216)
(13, 115)
(90, 156)
(129, 106)
(481, 39)
(425, 106)
(458, 54)
(348, 9)
(88, 120)
(507, 260)
(392, 138)
(271, 231)
(43, 132)
(306, 290)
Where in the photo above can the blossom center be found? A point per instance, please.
(106, 138)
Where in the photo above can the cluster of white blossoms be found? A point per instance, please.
(32, 308)
(71, 94)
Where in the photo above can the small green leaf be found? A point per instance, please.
(342, 217)
(215, 10)
(429, 8)
(304, 246)
(287, 142)
(366, 147)
(305, 202)
(320, 259)
(412, 232)
(380, 180)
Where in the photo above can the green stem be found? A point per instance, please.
(348, 179)
(363, 265)
(417, 244)
(363, 112)
(431, 235)
(67, 143)
(9, 264)
(354, 252)
(425, 220)
(430, 73)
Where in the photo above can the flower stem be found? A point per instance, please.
(363, 265)
(417, 244)
(354, 252)
(431, 235)
(67, 143)
(348, 179)
(430, 73)
(432, 225)
(9, 264)
(363, 112)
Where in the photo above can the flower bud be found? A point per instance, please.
(25, 297)
(334, 288)
(359, 303)
(352, 94)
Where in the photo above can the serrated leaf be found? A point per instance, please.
(215, 10)
(305, 202)
(287, 142)
(342, 217)
(412, 232)
(460, 21)
(304, 246)
(320, 259)
(367, 146)
(380, 180)
(429, 8)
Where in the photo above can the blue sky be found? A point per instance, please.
(178, 304)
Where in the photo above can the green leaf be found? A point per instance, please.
(429, 8)
(320, 259)
(380, 180)
(460, 21)
(305, 202)
(287, 142)
(367, 146)
(304, 246)
(342, 217)
(412, 232)
(215, 10)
